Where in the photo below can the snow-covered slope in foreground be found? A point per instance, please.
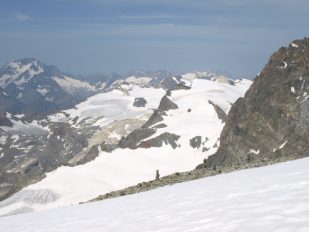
(273, 198)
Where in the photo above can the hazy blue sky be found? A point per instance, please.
(91, 36)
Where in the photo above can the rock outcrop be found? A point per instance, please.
(139, 102)
(4, 121)
(272, 121)
(165, 138)
(140, 137)
(221, 114)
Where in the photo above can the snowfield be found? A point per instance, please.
(273, 198)
(114, 105)
(125, 167)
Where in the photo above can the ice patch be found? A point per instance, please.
(3, 139)
(175, 79)
(71, 85)
(19, 115)
(42, 91)
(256, 152)
(283, 144)
(50, 99)
(280, 146)
(138, 80)
(19, 96)
(294, 45)
(189, 76)
(114, 135)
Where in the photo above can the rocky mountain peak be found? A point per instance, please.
(271, 121)
(24, 61)
(29, 86)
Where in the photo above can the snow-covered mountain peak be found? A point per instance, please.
(20, 72)
(24, 62)
(200, 75)
(28, 85)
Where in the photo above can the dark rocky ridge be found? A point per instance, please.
(272, 120)
(4, 121)
(221, 114)
(166, 138)
(138, 138)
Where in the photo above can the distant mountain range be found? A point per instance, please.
(30, 87)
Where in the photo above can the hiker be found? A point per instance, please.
(157, 175)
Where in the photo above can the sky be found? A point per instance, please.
(235, 37)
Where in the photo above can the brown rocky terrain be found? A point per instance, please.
(272, 120)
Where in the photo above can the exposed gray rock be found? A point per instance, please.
(4, 121)
(132, 140)
(221, 114)
(89, 156)
(196, 142)
(139, 102)
(166, 138)
(272, 120)
(108, 147)
(166, 104)
(161, 125)
(154, 118)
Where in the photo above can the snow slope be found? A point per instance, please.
(71, 85)
(113, 105)
(125, 167)
(196, 116)
(273, 198)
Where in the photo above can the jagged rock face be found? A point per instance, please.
(221, 114)
(272, 120)
(4, 121)
(29, 86)
(166, 104)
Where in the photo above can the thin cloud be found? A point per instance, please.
(22, 17)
